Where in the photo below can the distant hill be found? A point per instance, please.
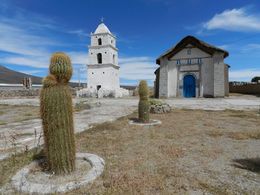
(9, 76)
(13, 77)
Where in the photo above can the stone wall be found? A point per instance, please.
(226, 80)
(19, 92)
(246, 88)
(219, 75)
(163, 84)
(16, 92)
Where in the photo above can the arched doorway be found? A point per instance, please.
(189, 86)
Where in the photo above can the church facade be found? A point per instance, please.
(192, 68)
(103, 68)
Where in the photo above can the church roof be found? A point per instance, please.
(102, 28)
(210, 49)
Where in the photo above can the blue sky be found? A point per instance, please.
(30, 30)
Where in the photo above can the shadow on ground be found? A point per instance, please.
(251, 164)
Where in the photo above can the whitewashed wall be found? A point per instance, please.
(210, 76)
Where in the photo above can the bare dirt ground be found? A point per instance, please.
(20, 126)
(191, 152)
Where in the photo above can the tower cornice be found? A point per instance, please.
(96, 34)
(102, 65)
(102, 46)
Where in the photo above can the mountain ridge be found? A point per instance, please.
(9, 76)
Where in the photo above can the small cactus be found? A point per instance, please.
(144, 104)
(57, 115)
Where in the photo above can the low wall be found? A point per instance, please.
(5, 93)
(245, 88)
(19, 93)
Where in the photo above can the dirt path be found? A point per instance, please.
(232, 103)
(21, 136)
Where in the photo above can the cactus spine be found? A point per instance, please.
(57, 115)
(144, 105)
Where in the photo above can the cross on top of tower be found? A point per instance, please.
(102, 19)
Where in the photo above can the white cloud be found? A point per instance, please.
(137, 68)
(253, 46)
(234, 20)
(31, 61)
(80, 33)
(25, 38)
(80, 58)
(134, 59)
(243, 74)
(30, 72)
(18, 41)
(225, 46)
(25, 42)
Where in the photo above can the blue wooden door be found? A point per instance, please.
(189, 86)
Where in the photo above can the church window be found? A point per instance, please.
(178, 61)
(189, 51)
(111, 41)
(189, 61)
(99, 58)
(92, 72)
(103, 72)
(99, 41)
(199, 61)
(105, 52)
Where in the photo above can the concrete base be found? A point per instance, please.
(103, 92)
(151, 123)
(21, 183)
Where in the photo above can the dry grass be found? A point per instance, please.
(144, 160)
(12, 113)
(244, 135)
(10, 166)
(3, 123)
(161, 159)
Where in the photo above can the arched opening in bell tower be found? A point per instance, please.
(99, 58)
(99, 41)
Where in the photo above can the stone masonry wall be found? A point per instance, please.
(163, 84)
(219, 80)
(6, 93)
(245, 88)
(19, 92)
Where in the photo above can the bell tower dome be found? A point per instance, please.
(103, 68)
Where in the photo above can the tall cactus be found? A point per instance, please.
(144, 105)
(57, 115)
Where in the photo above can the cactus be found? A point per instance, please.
(144, 104)
(57, 116)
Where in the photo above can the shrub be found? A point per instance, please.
(155, 102)
(57, 115)
(144, 105)
(255, 79)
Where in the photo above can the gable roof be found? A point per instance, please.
(210, 49)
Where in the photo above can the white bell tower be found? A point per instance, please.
(103, 68)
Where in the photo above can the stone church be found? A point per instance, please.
(192, 68)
